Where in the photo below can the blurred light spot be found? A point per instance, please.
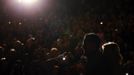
(127, 74)
(116, 30)
(33, 38)
(101, 22)
(12, 50)
(3, 58)
(27, 1)
(64, 58)
(22, 44)
(20, 23)
(56, 66)
(18, 41)
(9, 22)
(58, 40)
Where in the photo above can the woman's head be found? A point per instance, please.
(111, 51)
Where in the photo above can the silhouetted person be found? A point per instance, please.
(91, 45)
(112, 59)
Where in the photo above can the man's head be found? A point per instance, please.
(91, 42)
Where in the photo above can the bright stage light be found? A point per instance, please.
(26, 8)
(27, 2)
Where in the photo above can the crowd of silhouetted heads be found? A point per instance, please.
(89, 56)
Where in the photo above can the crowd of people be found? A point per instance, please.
(57, 47)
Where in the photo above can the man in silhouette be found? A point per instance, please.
(91, 45)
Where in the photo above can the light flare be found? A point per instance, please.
(27, 2)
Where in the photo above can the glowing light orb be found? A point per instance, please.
(26, 8)
(3, 58)
(27, 2)
(12, 50)
(63, 58)
(127, 74)
(101, 22)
